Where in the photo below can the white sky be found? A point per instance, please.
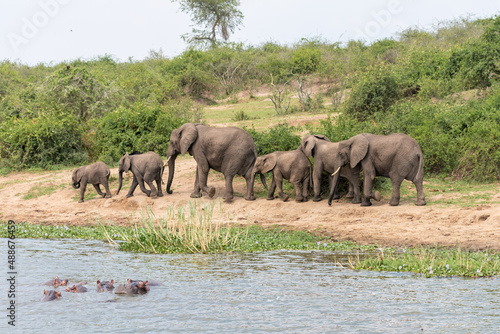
(52, 31)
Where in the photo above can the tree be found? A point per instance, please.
(218, 18)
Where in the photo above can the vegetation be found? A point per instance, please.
(439, 86)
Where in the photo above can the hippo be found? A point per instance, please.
(133, 288)
(51, 295)
(79, 288)
(150, 283)
(105, 285)
(57, 282)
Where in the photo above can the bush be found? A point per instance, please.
(306, 60)
(41, 142)
(278, 138)
(373, 91)
(140, 127)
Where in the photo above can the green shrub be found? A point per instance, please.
(373, 91)
(141, 127)
(280, 137)
(306, 60)
(41, 142)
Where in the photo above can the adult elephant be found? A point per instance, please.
(324, 153)
(396, 156)
(146, 167)
(228, 150)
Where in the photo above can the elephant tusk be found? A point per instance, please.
(336, 171)
(166, 162)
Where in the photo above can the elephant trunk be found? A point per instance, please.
(120, 181)
(333, 186)
(76, 185)
(263, 180)
(171, 171)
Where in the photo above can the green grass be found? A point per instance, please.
(433, 261)
(185, 230)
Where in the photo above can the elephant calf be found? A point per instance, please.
(293, 166)
(146, 168)
(95, 174)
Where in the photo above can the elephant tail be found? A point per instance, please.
(420, 171)
(162, 168)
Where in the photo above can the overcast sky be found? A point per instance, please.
(52, 31)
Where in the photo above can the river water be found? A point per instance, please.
(280, 291)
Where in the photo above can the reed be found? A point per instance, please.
(193, 228)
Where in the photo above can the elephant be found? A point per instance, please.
(396, 156)
(324, 153)
(95, 174)
(293, 166)
(229, 150)
(50, 295)
(146, 167)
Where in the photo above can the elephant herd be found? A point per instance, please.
(232, 151)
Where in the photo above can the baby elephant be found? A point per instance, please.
(96, 174)
(293, 166)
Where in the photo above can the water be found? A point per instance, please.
(282, 291)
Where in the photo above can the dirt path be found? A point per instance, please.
(404, 225)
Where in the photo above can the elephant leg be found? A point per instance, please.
(396, 185)
(272, 189)
(369, 178)
(419, 184)
(298, 191)
(317, 183)
(105, 183)
(151, 185)
(350, 193)
(203, 170)
(249, 179)
(98, 189)
(228, 195)
(140, 180)
(354, 187)
(197, 190)
(83, 187)
(132, 187)
(305, 189)
(279, 183)
(158, 183)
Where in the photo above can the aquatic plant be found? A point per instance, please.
(434, 261)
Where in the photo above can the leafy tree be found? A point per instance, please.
(218, 18)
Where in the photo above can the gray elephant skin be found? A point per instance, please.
(229, 150)
(95, 174)
(146, 168)
(324, 153)
(396, 156)
(293, 166)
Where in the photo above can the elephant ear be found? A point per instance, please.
(77, 175)
(322, 137)
(269, 163)
(188, 135)
(308, 146)
(359, 148)
(126, 163)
